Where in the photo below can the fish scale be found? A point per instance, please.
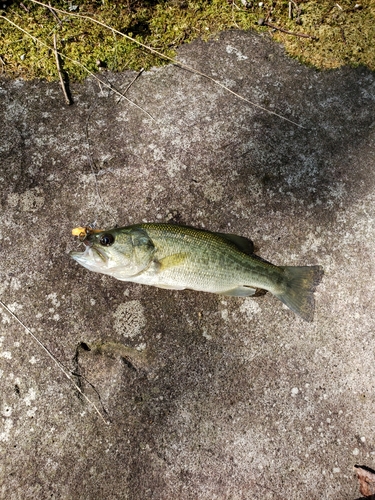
(211, 263)
(213, 258)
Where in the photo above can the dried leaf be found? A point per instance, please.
(366, 477)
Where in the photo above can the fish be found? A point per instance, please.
(180, 257)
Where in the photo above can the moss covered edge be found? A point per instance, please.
(323, 34)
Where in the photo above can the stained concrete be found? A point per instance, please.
(224, 398)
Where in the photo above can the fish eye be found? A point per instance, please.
(107, 240)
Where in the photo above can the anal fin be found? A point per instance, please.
(240, 291)
(170, 287)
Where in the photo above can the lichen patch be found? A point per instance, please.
(129, 318)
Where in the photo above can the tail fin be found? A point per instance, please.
(300, 284)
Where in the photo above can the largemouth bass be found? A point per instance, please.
(179, 257)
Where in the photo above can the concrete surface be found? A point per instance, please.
(224, 398)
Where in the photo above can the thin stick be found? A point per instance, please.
(75, 62)
(134, 79)
(273, 26)
(172, 59)
(67, 99)
(3, 64)
(24, 7)
(131, 83)
(54, 14)
(54, 359)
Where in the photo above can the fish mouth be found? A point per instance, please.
(91, 258)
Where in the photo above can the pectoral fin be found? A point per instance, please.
(242, 243)
(173, 260)
(240, 291)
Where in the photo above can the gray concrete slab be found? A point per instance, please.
(228, 398)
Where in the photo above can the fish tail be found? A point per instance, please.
(299, 286)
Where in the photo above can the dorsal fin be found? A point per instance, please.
(242, 243)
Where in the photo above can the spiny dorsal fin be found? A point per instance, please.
(242, 243)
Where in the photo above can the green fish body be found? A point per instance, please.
(179, 257)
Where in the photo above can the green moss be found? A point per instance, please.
(342, 32)
(344, 35)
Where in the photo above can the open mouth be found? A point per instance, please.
(90, 256)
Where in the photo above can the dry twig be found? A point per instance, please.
(133, 81)
(263, 22)
(54, 14)
(3, 64)
(61, 76)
